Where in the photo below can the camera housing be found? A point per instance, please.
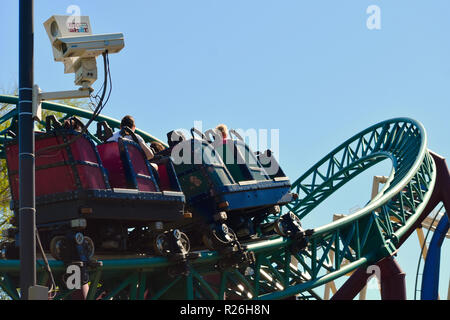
(89, 46)
(74, 44)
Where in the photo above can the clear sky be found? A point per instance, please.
(311, 69)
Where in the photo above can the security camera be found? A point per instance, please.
(74, 44)
(89, 46)
(66, 26)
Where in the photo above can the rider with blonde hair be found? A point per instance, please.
(223, 129)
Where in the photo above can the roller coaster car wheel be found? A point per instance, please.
(89, 247)
(220, 237)
(185, 243)
(60, 248)
(226, 234)
(288, 224)
(295, 220)
(162, 243)
(58, 245)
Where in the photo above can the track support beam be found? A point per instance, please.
(393, 285)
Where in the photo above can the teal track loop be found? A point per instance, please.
(362, 238)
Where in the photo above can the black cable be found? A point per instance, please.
(100, 105)
(110, 82)
(108, 72)
(96, 96)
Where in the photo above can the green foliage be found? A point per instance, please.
(5, 195)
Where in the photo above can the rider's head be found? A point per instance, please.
(128, 121)
(223, 129)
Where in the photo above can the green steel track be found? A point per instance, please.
(361, 239)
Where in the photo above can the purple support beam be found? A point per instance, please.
(393, 286)
(392, 278)
(353, 285)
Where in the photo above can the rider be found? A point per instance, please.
(73, 123)
(223, 129)
(127, 128)
(157, 147)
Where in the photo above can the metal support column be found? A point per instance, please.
(392, 282)
(27, 211)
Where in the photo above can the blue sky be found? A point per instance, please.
(311, 69)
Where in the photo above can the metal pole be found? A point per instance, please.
(27, 211)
